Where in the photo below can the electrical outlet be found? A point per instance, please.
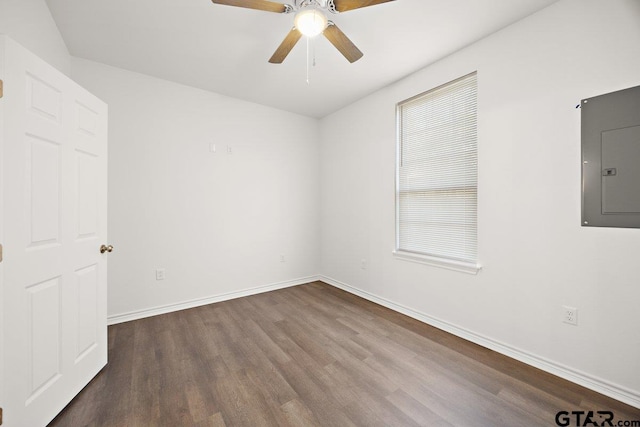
(363, 264)
(282, 259)
(160, 274)
(570, 315)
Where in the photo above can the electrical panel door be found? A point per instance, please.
(611, 159)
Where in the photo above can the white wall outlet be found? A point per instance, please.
(570, 315)
(160, 274)
(229, 149)
(282, 259)
(212, 147)
(363, 264)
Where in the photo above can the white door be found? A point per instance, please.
(54, 211)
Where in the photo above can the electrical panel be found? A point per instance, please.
(611, 159)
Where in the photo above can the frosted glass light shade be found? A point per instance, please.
(310, 22)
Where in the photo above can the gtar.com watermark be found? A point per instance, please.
(592, 419)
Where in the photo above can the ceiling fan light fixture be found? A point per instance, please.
(310, 22)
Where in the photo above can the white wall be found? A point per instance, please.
(30, 23)
(535, 255)
(217, 222)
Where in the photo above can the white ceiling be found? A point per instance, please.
(225, 49)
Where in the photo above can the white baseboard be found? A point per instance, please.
(154, 311)
(614, 391)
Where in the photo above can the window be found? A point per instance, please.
(436, 182)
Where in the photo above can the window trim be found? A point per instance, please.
(421, 258)
(449, 264)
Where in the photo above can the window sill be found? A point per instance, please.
(463, 267)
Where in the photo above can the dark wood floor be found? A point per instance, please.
(314, 355)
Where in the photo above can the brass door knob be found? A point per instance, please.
(105, 248)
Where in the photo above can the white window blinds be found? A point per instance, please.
(437, 172)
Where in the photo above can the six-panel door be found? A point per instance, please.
(54, 220)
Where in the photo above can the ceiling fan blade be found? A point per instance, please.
(268, 6)
(342, 43)
(285, 47)
(345, 5)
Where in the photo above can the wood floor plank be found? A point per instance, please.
(314, 355)
(417, 411)
(266, 377)
(299, 415)
(319, 401)
(369, 411)
(214, 420)
(239, 403)
(310, 344)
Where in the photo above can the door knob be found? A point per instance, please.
(105, 248)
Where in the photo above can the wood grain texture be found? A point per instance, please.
(345, 5)
(342, 43)
(267, 6)
(314, 355)
(285, 47)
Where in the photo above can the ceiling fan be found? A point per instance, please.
(310, 20)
